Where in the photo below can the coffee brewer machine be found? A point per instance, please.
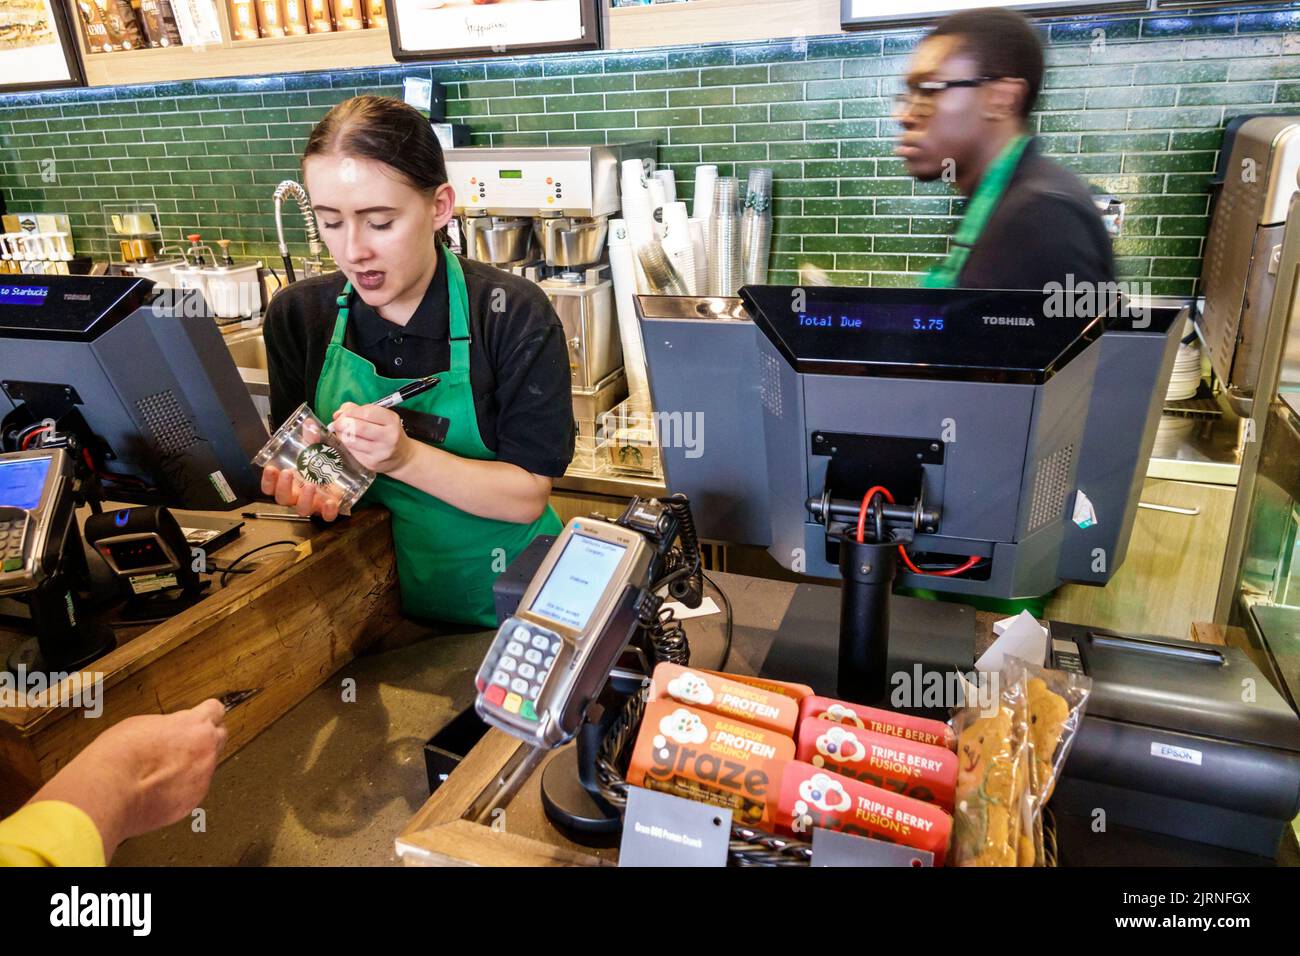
(543, 213)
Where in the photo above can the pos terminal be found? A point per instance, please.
(41, 558)
(35, 509)
(552, 657)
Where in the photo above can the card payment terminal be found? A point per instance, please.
(35, 508)
(551, 658)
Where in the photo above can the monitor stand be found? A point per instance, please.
(929, 641)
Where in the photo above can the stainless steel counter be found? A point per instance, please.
(1209, 456)
(616, 486)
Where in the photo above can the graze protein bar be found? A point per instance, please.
(725, 697)
(707, 757)
(913, 769)
(880, 721)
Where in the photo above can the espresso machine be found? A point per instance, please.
(543, 213)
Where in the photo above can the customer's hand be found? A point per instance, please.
(286, 486)
(374, 436)
(143, 773)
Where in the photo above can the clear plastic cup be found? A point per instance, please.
(316, 457)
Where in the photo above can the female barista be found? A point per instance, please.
(466, 467)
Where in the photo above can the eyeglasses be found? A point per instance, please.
(919, 99)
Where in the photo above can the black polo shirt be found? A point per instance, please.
(519, 363)
(1045, 228)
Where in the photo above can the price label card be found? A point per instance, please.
(660, 829)
(832, 848)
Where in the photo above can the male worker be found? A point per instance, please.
(965, 117)
(1029, 222)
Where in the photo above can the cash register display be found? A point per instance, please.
(949, 334)
(23, 294)
(21, 482)
(576, 583)
(76, 308)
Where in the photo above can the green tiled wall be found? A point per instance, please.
(1134, 104)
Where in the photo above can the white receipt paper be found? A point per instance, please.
(1020, 636)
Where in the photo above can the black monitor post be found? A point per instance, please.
(141, 392)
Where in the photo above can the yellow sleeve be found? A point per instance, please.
(50, 833)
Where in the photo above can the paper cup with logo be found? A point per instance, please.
(317, 458)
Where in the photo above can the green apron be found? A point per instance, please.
(988, 194)
(447, 559)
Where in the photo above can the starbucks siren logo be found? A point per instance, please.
(320, 464)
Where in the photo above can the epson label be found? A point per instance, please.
(1065, 656)
(1180, 754)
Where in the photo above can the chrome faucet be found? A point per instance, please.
(312, 265)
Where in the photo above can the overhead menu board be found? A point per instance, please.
(859, 14)
(446, 29)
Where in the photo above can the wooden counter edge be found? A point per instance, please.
(438, 834)
(134, 655)
(472, 776)
(462, 843)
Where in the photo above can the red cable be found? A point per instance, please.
(27, 439)
(866, 500)
(862, 525)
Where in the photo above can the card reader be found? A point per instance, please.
(551, 658)
(35, 508)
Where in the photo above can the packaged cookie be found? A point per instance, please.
(914, 769)
(722, 695)
(934, 732)
(713, 759)
(811, 797)
(1056, 701)
(993, 769)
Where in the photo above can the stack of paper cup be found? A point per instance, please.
(705, 177)
(700, 248)
(658, 200)
(636, 198)
(622, 263)
(636, 210)
(678, 245)
(668, 180)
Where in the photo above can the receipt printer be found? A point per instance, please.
(1182, 739)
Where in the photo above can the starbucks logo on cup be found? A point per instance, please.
(320, 464)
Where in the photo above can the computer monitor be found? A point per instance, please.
(171, 419)
(1025, 435)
